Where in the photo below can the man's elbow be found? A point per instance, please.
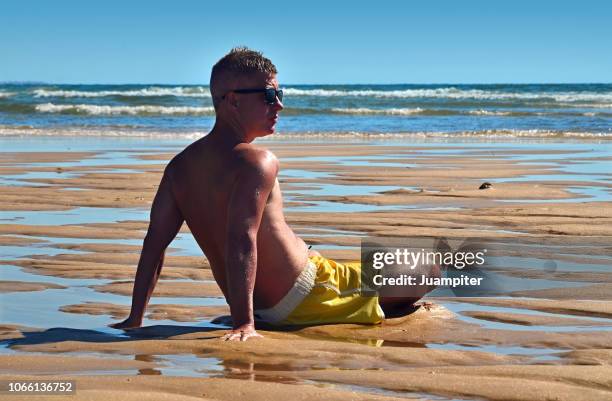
(242, 244)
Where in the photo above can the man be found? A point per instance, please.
(226, 190)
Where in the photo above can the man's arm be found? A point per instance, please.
(247, 202)
(165, 221)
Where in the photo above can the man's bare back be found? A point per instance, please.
(226, 190)
(212, 183)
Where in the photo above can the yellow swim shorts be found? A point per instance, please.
(325, 292)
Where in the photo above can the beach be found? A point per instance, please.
(74, 205)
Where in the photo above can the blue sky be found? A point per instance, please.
(313, 42)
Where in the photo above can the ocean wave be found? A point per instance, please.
(498, 113)
(482, 112)
(7, 130)
(555, 98)
(593, 106)
(366, 111)
(455, 93)
(152, 110)
(468, 135)
(452, 112)
(127, 110)
(145, 92)
(112, 132)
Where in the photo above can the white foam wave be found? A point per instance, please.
(152, 91)
(455, 93)
(594, 106)
(468, 135)
(6, 94)
(482, 112)
(363, 110)
(27, 131)
(129, 110)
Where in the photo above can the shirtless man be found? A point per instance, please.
(226, 190)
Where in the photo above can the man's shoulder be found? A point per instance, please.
(184, 157)
(254, 157)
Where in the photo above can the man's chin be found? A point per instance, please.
(266, 130)
(269, 131)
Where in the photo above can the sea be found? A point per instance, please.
(531, 110)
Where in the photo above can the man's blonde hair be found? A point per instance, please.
(240, 61)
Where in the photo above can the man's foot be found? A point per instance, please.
(427, 305)
(127, 324)
(241, 334)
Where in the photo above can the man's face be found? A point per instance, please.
(257, 117)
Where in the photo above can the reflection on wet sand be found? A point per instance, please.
(68, 259)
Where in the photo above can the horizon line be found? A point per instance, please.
(305, 84)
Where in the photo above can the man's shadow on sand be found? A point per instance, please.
(61, 334)
(155, 332)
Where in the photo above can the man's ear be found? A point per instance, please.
(232, 99)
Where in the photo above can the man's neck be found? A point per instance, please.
(227, 135)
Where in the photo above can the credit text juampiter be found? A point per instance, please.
(406, 280)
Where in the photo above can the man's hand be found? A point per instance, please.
(241, 334)
(128, 323)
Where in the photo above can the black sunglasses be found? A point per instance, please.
(270, 93)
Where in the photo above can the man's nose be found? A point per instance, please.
(278, 105)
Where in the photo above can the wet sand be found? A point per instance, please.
(71, 239)
(13, 286)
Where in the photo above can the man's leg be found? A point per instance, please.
(398, 306)
(402, 306)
